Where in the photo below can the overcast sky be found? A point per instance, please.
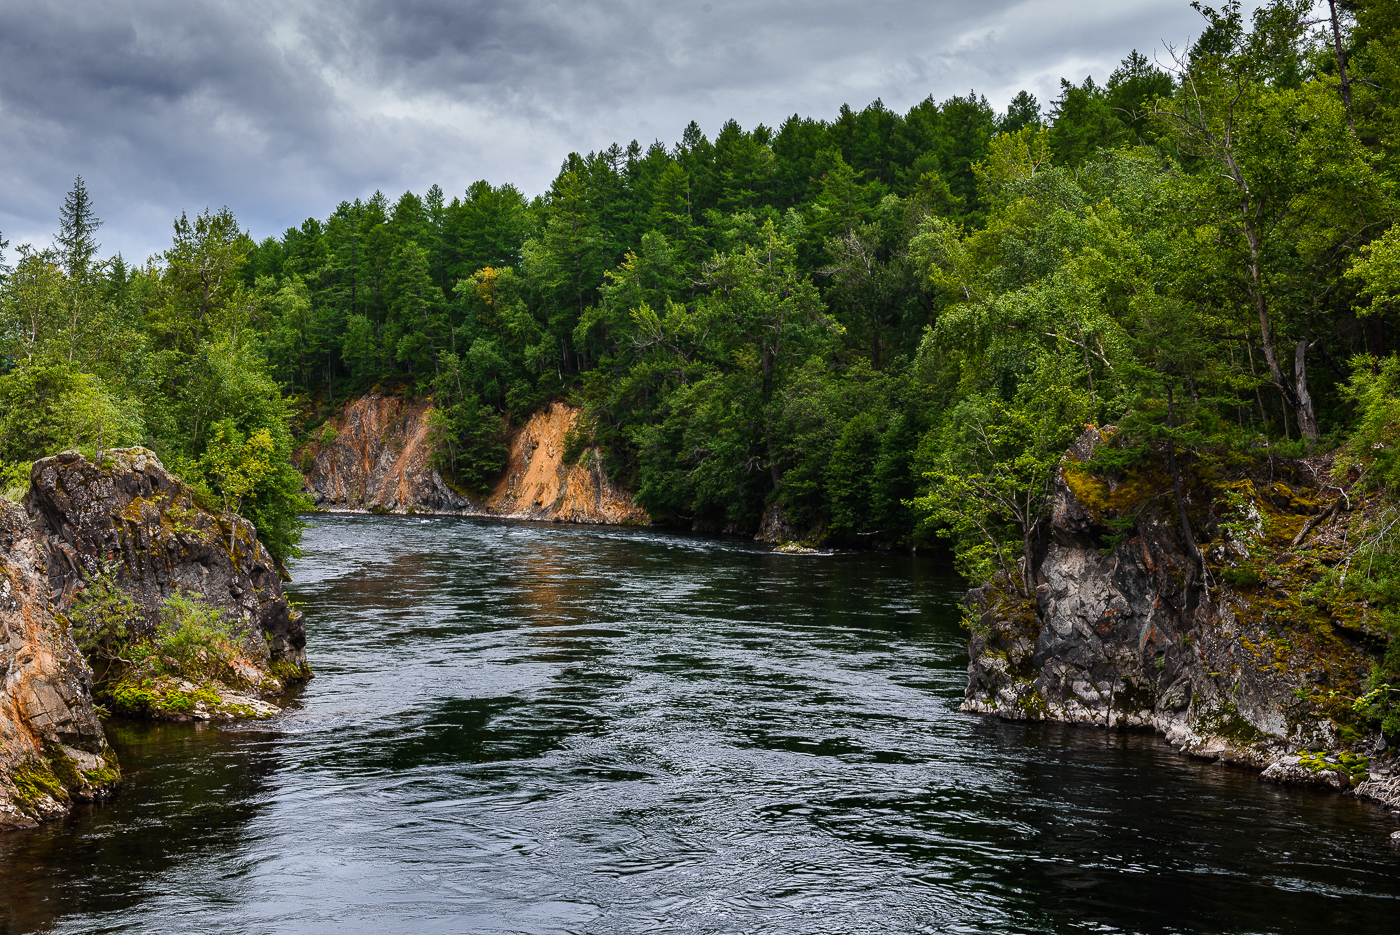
(282, 109)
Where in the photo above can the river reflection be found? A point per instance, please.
(524, 728)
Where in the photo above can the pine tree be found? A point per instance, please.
(77, 224)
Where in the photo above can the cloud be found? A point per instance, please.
(282, 109)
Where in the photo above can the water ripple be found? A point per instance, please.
(534, 728)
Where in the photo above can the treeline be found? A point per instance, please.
(98, 354)
(741, 316)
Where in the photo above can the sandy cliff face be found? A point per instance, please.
(375, 459)
(537, 484)
(52, 750)
(1136, 635)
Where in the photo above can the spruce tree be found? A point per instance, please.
(77, 224)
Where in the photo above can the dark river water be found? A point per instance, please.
(524, 728)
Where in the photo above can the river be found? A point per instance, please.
(536, 728)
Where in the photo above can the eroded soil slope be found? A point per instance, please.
(373, 457)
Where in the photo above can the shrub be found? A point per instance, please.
(14, 479)
(194, 639)
(191, 640)
(105, 622)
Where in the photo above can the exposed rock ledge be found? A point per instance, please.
(1133, 636)
(52, 750)
(133, 517)
(374, 459)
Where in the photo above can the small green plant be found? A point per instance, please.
(14, 479)
(105, 622)
(1381, 702)
(194, 639)
(130, 657)
(328, 436)
(578, 439)
(181, 521)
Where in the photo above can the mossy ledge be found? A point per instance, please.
(1229, 647)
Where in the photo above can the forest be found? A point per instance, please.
(885, 326)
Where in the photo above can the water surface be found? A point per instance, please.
(530, 728)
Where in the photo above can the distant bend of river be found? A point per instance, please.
(537, 728)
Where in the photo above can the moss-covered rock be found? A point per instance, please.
(1231, 646)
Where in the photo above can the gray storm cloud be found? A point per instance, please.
(282, 109)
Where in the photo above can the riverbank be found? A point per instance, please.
(374, 456)
(121, 563)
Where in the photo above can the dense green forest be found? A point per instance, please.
(885, 326)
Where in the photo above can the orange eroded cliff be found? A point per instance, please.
(538, 484)
(373, 456)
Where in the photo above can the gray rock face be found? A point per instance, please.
(376, 461)
(135, 518)
(52, 749)
(1134, 634)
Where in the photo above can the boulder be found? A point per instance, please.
(129, 516)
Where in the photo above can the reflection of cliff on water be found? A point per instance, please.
(189, 792)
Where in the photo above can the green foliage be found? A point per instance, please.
(888, 325)
(14, 479)
(193, 639)
(1372, 572)
(235, 465)
(991, 476)
(105, 621)
(469, 442)
(135, 661)
(49, 406)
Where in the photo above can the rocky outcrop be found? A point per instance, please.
(131, 517)
(52, 750)
(1224, 652)
(539, 485)
(374, 457)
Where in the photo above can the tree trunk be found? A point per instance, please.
(1307, 421)
(1341, 61)
(1176, 484)
(1261, 305)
